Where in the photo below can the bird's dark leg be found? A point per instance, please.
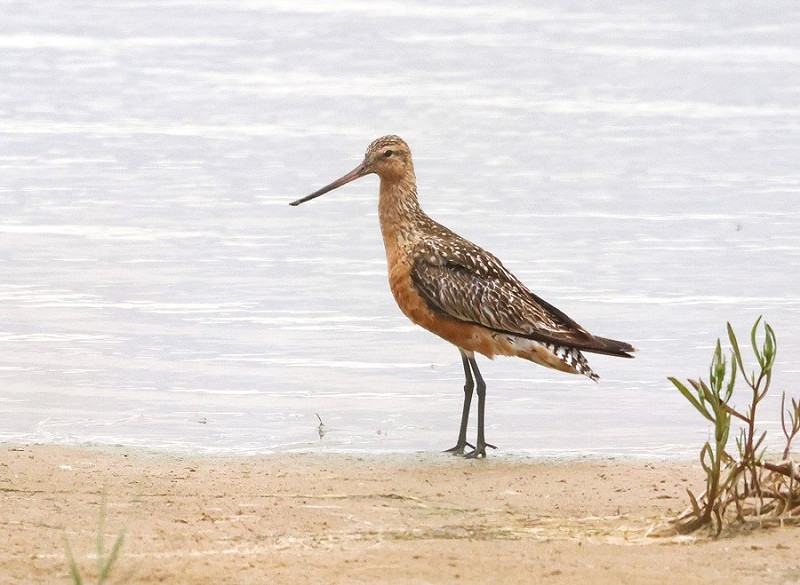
(469, 386)
(480, 444)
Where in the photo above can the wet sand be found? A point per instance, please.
(329, 518)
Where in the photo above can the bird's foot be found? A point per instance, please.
(458, 449)
(479, 451)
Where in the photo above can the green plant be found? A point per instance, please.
(758, 489)
(711, 400)
(750, 451)
(104, 563)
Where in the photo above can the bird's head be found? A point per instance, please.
(388, 157)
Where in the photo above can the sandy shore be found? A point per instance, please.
(299, 518)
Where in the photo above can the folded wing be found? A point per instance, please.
(462, 281)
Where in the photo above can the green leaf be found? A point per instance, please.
(708, 395)
(706, 452)
(731, 384)
(758, 443)
(770, 345)
(722, 428)
(761, 359)
(714, 368)
(690, 397)
(737, 354)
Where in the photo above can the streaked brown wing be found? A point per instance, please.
(465, 282)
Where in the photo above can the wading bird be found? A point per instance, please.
(462, 293)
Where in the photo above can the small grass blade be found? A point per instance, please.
(74, 572)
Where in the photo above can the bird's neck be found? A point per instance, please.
(400, 214)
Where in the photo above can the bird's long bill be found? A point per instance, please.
(357, 172)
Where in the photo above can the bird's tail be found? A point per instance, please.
(608, 347)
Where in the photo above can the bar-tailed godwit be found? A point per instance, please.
(461, 292)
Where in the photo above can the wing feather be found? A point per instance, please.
(458, 279)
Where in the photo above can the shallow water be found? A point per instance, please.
(636, 165)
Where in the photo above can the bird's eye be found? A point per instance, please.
(388, 153)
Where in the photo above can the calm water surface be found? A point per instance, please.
(636, 165)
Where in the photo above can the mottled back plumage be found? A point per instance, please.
(464, 281)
